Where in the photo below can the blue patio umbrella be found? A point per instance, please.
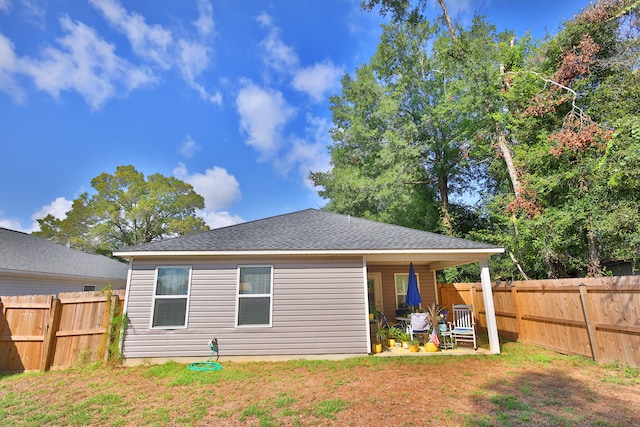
(413, 297)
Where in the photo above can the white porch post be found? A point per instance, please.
(492, 326)
(366, 302)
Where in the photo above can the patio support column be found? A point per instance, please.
(487, 293)
(366, 302)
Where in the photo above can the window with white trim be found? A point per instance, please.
(171, 297)
(255, 292)
(402, 282)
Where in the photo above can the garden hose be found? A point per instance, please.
(209, 365)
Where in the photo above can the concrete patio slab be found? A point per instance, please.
(458, 351)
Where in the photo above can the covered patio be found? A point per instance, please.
(387, 280)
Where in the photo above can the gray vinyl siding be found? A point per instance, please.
(24, 284)
(318, 308)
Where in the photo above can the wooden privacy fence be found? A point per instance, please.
(42, 332)
(598, 318)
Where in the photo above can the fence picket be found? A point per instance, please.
(599, 319)
(41, 332)
(50, 336)
(584, 300)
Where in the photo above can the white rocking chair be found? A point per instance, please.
(464, 325)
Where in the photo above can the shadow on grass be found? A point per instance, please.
(548, 398)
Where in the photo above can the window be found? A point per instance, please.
(402, 281)
(171, 297)
(88, 288)
(254, 295)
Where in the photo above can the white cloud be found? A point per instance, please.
(8, 67)
(318, 79)
(13, 224)
(87, 64)
(5, 5)
(188, 147)
(221, 219)
(277, 55)
(34, 12)
(148, 41)
(263, 114)
(309, 153)
(193, 59)
(216, 185)
(58, 208)
(204, 23)
(155, 43)
(219, 190)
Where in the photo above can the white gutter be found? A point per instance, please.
(137, 254)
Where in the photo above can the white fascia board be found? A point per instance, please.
(46, 274)
(140, 254)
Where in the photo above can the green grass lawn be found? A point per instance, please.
(523, 386)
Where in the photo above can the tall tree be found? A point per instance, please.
(554, 126)
(397, 131)
(127, 210)
(567, 142)
(595, 140)
(407, 11)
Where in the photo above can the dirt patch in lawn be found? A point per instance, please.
(524, 386)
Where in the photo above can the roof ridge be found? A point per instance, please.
(15, 231)
(310, 229)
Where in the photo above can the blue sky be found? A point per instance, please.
(231, 96)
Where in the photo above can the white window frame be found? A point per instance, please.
(395, 285)
(239, 296)
(157, 297)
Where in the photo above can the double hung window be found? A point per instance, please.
(255, 295)
(171, 297)
(402, 282)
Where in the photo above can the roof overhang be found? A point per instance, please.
(436, 259)
(49, 275)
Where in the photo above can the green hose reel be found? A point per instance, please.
(209, 365)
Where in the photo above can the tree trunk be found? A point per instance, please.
(515, 261)
(444, 204)
(508, 159)
(448, 20)
(594, 266)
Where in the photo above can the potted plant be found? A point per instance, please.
(404, 338)
(381, 335)
(382, 332)
(373, 312)
(393, 335)
(414, 346)
(436, 315)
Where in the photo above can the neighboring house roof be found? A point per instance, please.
(310, 231)
(24, 253)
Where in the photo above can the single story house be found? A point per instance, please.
(297, 285)
(30, 265)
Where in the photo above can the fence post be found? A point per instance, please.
(591, 330)
(114, 301)
(516, 303)
(49, 344)
(476, 310)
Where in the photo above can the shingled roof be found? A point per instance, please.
(24, 253)
(309, 230)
